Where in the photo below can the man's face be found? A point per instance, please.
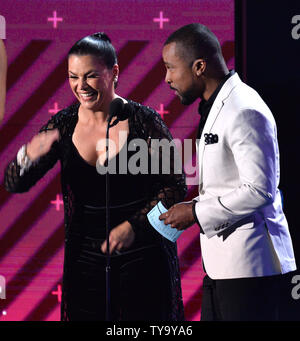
(179, 74)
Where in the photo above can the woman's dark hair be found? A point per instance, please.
(98, 45)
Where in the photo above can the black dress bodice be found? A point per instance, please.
(127, 193)
(124, 188)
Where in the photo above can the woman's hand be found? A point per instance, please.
(120, 237)
(41, 144)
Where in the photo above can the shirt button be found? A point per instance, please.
(202, 192)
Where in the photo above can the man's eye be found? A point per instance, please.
(72, 77)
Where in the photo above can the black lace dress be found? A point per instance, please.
(145, 279)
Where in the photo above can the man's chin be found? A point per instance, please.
(186, 101)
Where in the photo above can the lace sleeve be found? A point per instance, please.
(168, 185)
(16, 183)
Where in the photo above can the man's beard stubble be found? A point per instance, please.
(187, 98)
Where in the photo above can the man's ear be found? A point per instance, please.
(199, 66)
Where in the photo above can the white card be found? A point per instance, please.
(165, 230)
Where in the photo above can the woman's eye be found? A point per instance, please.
(73, 77)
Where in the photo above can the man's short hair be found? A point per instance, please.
(195, 41)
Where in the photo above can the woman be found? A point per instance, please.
(145, 279)
(3, 70)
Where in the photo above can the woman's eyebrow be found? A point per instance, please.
(91, 71)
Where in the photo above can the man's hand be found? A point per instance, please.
(120, 237)
(180, 216)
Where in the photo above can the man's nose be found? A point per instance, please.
(167, 78)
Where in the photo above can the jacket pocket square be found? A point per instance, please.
(211, 138)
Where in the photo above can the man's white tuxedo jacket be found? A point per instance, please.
(239, 205)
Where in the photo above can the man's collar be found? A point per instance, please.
(213, 96)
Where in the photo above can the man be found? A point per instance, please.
(245, 241)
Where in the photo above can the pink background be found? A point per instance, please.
(31, 225)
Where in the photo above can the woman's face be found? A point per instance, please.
(91, 81)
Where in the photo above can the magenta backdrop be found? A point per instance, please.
(31, 224)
